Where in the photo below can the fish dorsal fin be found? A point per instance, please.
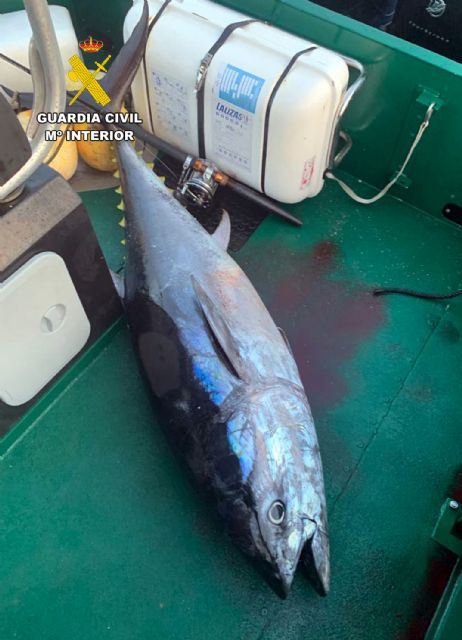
(222, 233)
(117, 81)
(221, 331)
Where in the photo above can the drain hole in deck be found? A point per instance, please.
(453, 212)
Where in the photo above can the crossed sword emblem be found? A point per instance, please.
(90, 83)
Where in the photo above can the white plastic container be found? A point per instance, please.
(273, 136)
(15, 35)
(43, 325)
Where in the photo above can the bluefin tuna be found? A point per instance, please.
(223, 374)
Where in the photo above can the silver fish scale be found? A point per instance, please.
(241, 373)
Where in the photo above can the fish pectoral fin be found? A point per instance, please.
(221, 332)
(315, 558)
(119, 284)
(222, 233)
(286, 340)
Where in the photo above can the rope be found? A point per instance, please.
(349, 191)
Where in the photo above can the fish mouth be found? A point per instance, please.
(285, 567)
(285, 575)
(314, 553)
(315, 557)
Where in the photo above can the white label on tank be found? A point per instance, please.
(171, 104)
(232, 135)
(233, 120)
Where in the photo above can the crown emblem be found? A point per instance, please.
(91, 46)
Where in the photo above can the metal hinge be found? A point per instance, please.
(448, 529)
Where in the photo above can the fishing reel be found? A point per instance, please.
(199, 182)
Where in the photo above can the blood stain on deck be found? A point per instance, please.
(326, 319)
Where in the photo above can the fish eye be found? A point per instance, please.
(276, 512)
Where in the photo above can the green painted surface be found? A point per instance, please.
(106, 224)
(447, 531)
(446, 625)
(101, 534)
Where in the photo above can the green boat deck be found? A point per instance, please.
(103, 535)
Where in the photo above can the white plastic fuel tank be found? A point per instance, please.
(269, 110)
(15, 35)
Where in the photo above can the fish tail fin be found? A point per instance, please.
(122, 71)
(315, 558)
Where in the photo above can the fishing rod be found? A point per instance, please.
(199, 180)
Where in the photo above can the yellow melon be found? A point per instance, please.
(99, 155)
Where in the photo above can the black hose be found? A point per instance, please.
(418, 294)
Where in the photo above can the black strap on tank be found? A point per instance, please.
(202, 74)
(152, 24)
(276, 87)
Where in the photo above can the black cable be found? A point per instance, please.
(418, 294)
